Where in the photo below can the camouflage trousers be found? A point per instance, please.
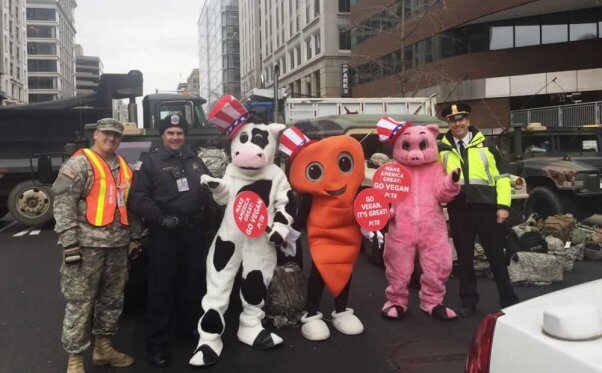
(94, 293)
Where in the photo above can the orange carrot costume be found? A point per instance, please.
(331, 171)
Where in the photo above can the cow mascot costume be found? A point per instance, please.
(253, 148)
(330, 171)
(418, 226)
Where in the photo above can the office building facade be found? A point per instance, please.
(50, 48)
(88, 70)
(219, 60)
(13, 53)
(304, 45)
(498, 56)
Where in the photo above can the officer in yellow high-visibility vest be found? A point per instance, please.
(482, 206)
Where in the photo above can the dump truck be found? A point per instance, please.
(46, 133)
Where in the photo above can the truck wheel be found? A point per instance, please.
(30, 204)
(547, 202)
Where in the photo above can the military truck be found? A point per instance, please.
(45, 133)
(562, 167)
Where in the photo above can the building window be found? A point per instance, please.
(344, 6)
(501, 37)
(298, 54)
(527, 32)
(583, 25)
(307, 11)
(36, 31)
(39, 97)
(40, 82)
(36, 48)
(291, 58)
(308, 48)
(42, 65)
(344, 39)
(316, 8)
(317, 43)
(554, 28)
(41, 14)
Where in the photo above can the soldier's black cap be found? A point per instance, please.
(173, 120)
(456, 111)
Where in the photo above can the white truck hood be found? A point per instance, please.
(520, 345)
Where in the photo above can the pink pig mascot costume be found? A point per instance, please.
(417, 225)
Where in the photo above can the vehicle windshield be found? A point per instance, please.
(578, 143)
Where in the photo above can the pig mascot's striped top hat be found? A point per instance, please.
(292, 140)
(229, 115)
(388, 129)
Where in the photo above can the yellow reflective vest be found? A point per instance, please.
(484, 173)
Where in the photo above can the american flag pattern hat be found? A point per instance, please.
(292, 140)
(388, 129)
(228, 114)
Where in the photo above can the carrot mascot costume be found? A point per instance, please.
(330, 171)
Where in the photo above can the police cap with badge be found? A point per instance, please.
(456, 111)
(173, 120)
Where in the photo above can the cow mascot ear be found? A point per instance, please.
(276, 128)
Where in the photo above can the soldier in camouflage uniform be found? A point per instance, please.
(94, 270)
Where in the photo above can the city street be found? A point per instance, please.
(31, 309)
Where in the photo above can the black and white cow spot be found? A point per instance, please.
(280, 218)
(261, 188)
(212, 322)
(252, 288)
(260, 137)
(223, 252)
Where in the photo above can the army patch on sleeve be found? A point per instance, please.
(69, 172)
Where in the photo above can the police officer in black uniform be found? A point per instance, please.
(167, 194)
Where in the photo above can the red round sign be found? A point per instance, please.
(393, 180)
(250, 214)
(371, 209)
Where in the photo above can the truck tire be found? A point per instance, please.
(30, 204)
(547, 202)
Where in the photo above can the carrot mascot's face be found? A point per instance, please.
(329, 168)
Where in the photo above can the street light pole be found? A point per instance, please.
(276, 111)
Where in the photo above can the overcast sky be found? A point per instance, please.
(157, 37)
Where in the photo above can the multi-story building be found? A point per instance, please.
(50, 48)
(305, 44)
(13, 44)
(88, 70)
(219, 62)
(498, 56)
(191, 86)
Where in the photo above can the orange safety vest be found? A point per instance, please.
(105, 195)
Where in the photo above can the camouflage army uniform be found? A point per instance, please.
(93, 288)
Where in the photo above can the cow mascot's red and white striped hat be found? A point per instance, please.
(229, 115)
(388, 129)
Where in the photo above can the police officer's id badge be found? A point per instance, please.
(182, 184)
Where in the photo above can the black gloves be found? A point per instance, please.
(72, 254)
(170, 222)
(134, 249)
(456, 175)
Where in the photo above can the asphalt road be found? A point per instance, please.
(31, 311)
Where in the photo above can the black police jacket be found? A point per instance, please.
(155, 193)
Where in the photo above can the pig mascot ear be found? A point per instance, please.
(275, 128)
(434, 129)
